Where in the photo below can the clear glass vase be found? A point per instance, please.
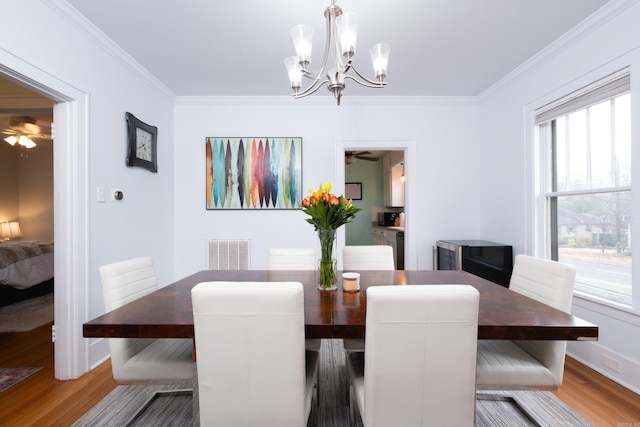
(327, 280)
(327, 265)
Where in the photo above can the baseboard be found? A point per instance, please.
(98, 352)
(614, 366)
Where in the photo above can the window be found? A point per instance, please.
(585, 139)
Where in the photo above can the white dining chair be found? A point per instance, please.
(418, 368)
(253, 369)
(530, 363)
(294, 259)
(136, 359)
(365, 257)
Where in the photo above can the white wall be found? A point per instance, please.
(63, 50)
(447, 145)
(611, 40)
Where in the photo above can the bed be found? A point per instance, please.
(26, 270)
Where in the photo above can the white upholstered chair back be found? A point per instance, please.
(291, 259)
(367, 257)
(551, 283)
(530, 363)
(126, 281)
(420, 355)
(138, 358)
(251, 355)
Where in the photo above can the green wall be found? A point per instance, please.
(358, 232)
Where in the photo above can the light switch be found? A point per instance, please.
(101, 195)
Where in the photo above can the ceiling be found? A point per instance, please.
(237, 48)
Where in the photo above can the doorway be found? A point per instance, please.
(410, 206)
(70, 207)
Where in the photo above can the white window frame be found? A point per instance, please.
(537, 168)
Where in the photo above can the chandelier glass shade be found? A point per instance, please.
(341, 33)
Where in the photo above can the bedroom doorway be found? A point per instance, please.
(70, 198)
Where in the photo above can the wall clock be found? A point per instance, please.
(142, 141)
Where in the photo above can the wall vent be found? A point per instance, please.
(228, 254)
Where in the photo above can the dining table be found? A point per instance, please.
(502, 315)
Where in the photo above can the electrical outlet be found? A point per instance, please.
(611, 363)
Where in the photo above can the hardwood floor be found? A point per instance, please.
(40, 400)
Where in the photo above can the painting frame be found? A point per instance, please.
(353, 190)
(253, 173)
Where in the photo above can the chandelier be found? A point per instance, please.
(341, 32)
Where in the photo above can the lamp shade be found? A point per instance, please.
(302, 36)
(380, 58)
(348, 33)
(295, 73)
(9, 230)
(11, 140)
(347, 24)
(26, 142)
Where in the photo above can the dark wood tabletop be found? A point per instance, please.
(503, 314)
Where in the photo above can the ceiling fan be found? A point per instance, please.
(352, 156)
(23, 130)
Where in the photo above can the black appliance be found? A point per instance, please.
(387, 219)
(489, 260)
(400, 250)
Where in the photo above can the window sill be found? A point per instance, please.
(626, 311)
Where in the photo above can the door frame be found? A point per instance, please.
(411, 200)
(71, 211)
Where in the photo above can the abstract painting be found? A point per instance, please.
(253, 173)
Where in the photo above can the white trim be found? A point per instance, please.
(324, 100)
(535, 189)
(93, 33)
(411, 190)
(70, 211)
(592, 23)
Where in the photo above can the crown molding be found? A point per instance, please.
(580, 31)
(93, 33)
(315, 101)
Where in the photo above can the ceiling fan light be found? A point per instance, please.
(380, 59)
(11, 140)
(302, 36)
(26, 142)
(347, 24)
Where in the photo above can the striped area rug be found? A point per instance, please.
(142, 405)
(11, 376)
